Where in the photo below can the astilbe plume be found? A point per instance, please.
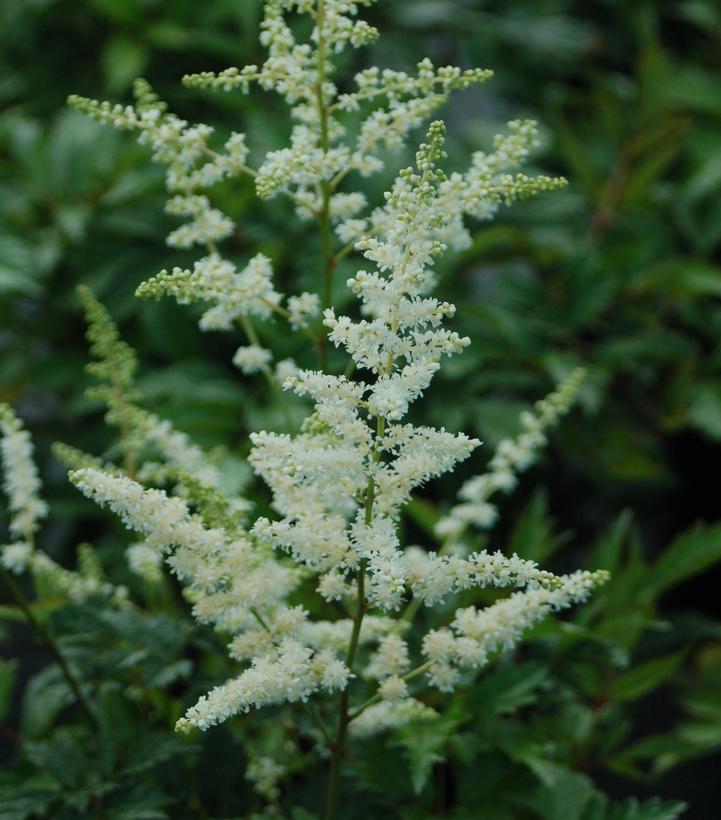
(27, 509)
(339, 485)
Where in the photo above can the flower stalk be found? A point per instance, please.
(23, 604)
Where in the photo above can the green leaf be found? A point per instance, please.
(533, 536)
(153, 748)
(63, 756)
(564, 793)
(692, 87)
(123, 60)
(704, 408)
(506, 688)
(608, 550)
(28, 798)
(424, 743)
(657, 753)
(297, 813)
(17, 266)
(8, 669)
(654, 809)
(45, 696)
(690, 554)
(641, 679)
(680, 278)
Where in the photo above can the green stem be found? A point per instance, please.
(329, 261)
(22, 602)
(258, 617)
(275, 388)
(419, 670)
(281, 311)
(338, 745)
(312, 710)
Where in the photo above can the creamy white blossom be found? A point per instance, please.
(512, 457)
(288, 673)
(386, 715)
(145, 561)
(337, 485)
(264, 773)
(234, 294)
(303, 309)
(16, 556)
(475, 634)
(252, 359)
(20, 477)
(227, 576)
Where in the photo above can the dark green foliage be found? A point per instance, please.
(619, 272)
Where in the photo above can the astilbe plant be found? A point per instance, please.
(339, 484)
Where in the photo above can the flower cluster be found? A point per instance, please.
(290, 673)
(512, 456)
(192, 165)
(235, 294)
(475, 634)
(226, 576)
(27, 509)
(21, 481)
(338, 485)
(324, 151)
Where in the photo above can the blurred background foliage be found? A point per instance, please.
(618, 272)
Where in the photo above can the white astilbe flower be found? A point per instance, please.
(390, 659)
(20, 482)
(145, 561)
(433, 577)
(333, 586)
(176, 448)
(477, 193)
(288, 673)
(393, 689)
(303, 309)
(17, 556)
(338, 485)
(337, 634)
(184, 149)
(512, 456)
(404, 342)
(386, 715)
(285, 369)
(226, 577)
(252, 359)
(264, 773)
(22, 486)
(207, 226)
(321, 153)
(476, 634)
(235, 294)
(320, 479)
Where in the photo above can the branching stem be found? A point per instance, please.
(43, 633)
(329, 261)
(338, 747)
(275, 388)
